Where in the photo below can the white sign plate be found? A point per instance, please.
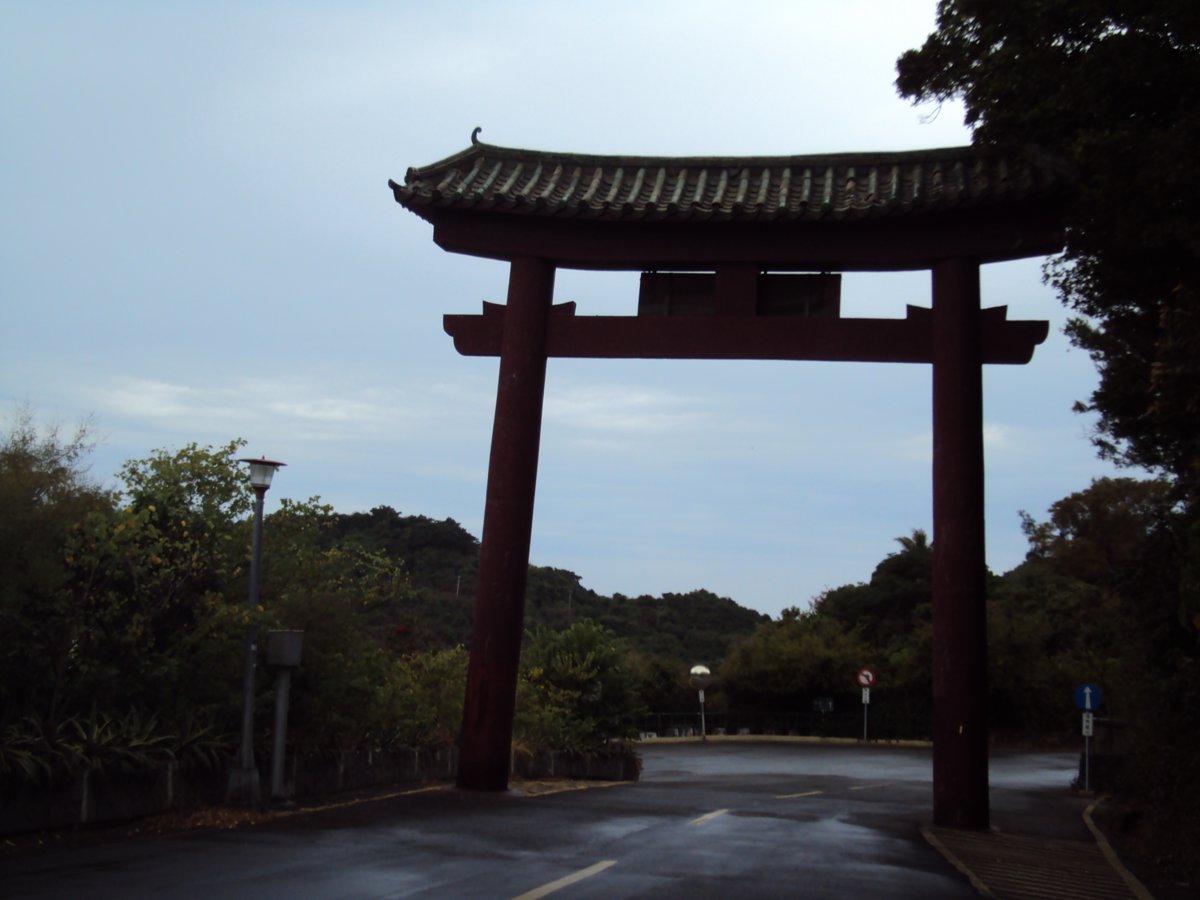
(866, 696)
(1089, 724)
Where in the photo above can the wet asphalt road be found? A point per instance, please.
(707, 820)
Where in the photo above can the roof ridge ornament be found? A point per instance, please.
(475, 136)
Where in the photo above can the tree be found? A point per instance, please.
(421, 701)
(1104, 571)
(897, 598)
(575, 691)
(785, 663)
(346, 598)
(155, 584)
(44, 494)
(1112, 90)
(663, 684)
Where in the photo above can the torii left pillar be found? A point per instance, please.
(485, 749)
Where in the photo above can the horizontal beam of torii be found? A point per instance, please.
(907, 340)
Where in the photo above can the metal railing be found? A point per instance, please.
(889, 719)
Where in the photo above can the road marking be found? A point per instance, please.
(304, 810)
(567, 880)
(801, 794)
(867, 787)
(707, 816)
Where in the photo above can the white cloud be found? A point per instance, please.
(343, 411)
(622, 411)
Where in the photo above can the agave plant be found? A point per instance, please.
(50, 741)
(196, 743)
(22, 756)
(129, 742)
(143, 742)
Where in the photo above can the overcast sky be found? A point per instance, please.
(197, 242)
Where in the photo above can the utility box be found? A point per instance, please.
(284, 648)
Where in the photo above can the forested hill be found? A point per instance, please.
(441, 558)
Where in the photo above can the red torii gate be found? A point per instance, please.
(743, 220)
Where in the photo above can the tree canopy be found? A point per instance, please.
(1112, 90)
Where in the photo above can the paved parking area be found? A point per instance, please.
(716, 819)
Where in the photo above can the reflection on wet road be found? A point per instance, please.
(707, 820)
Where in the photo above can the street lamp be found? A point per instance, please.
(243, 778)
(701, 676)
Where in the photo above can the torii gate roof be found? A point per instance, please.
(845, 211)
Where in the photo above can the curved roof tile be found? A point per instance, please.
(543, 184)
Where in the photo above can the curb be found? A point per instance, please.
(1019, 866)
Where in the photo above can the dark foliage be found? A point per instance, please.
(441, 560)
(1113, 90)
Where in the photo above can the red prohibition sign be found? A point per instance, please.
(865, 677)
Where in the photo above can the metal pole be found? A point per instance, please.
(703, 729)
(866, 706)
(243, 782)
(1087, 763)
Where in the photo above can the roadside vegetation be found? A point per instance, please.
(124, 612)
(1110, 92)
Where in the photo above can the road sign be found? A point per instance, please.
(1088, 696)
(865, 678)
(866, 696)
(1089, 724)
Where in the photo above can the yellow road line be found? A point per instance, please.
(273, 814)
(356, 801)
(707, 816)
(567, 880)
(801, 794)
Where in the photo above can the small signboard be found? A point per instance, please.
(1088, 696)
(1089, 724)
(865, 678)
(774, 294)
(866, 696)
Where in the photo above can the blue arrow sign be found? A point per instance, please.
(1088, 696)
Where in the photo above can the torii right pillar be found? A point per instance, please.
(960, 740)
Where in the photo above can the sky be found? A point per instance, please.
(197, 243)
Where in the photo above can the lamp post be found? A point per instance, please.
(701, 676)
(243, 778)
